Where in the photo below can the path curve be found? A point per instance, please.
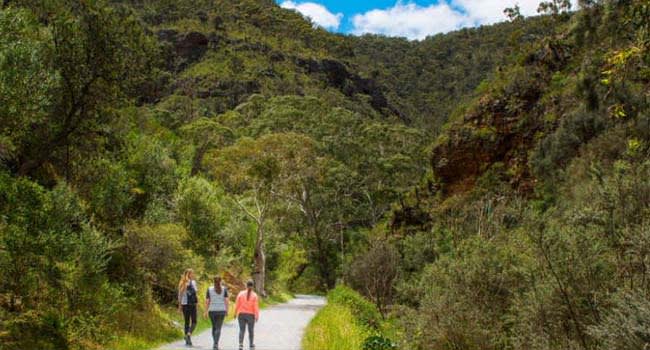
(280, 327)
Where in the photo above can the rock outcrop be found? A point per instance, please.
(183, 49)
(339, 76)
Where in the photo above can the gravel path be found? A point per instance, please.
(280, 328)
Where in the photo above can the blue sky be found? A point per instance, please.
(350, 7)
(414, 19)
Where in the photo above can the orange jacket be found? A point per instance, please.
(247, 306)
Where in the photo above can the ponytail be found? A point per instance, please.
(249, 286)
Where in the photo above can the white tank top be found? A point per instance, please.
(217, 301)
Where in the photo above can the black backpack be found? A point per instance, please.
(192, 298)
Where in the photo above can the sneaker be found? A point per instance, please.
(241, 346)
(252, 346)
(189, 341)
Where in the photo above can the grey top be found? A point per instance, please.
(182, 297)
(217, 300)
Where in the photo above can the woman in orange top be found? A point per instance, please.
(247, 311)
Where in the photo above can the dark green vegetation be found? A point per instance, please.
(138, 138)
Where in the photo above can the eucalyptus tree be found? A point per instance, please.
(253, 171)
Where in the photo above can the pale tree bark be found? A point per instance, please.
(259, 216)
(259, 275)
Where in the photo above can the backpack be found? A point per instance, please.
(192, 298)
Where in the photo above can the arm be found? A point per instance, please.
(207, 302)
(226, 302)
(180, 297)
(237, 303)
(256, 306)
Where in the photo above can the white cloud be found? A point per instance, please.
(491, 11)
(416, 22)
(318, 13)
(409, 20)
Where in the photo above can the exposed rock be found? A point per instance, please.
(186, 48)
(337, 75)
(191, 46)
(491, 133)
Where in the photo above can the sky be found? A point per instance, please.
(413, 19)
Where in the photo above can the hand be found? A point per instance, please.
(205, 314)
(180, 308)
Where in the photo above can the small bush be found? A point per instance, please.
(378, 342)
(375, 272)
(156, 254)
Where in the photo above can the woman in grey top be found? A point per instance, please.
(216, 306)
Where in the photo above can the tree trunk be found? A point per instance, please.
(198, 159)
(259, 274)
(325, 268)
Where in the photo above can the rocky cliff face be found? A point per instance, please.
(500, 127)
(184, 49)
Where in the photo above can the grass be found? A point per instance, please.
(147, 330)
(334, 328)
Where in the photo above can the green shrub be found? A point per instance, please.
(627, 324)
(466, 296)
(378, 342)
(156, 256)
(199, 207)
(365, 311)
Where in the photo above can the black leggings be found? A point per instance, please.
(189, 315)
(246, 320)
(216, 317)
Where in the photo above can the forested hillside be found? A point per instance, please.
(486, 189)
(531, 229)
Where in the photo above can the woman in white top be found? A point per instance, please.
(187, 300)
(216, 306)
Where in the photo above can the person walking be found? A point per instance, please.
(247, 311)
(187, 300)
(216, 308)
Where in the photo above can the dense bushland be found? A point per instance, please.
(531, 230)
(138, 138)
